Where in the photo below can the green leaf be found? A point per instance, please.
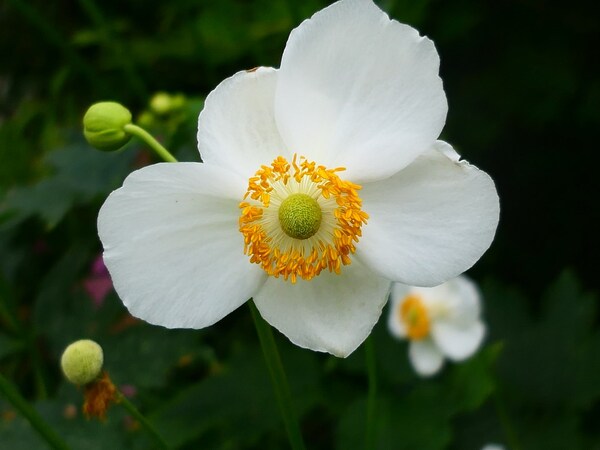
(9, 345)
(78, 175)
(554, 361)
(237, 400)
(416, 419)
(470, 383)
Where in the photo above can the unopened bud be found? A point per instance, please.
(82, 361)
(103, 126)
(163, 103)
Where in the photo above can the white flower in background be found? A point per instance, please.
(322, 182)
(440, 322)
(493, 447)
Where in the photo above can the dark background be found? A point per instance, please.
(524, 95)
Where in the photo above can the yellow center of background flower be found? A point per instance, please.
(298, 219)
(414, 315)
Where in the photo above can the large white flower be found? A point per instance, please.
(441, 321)
(322, 182)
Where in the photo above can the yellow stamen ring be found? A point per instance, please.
(413, 314)
(298, 219)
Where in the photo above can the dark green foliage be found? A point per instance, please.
(523, 93)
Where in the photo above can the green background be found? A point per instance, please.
(524, 97)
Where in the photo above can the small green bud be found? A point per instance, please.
(146, 119)
(160, 103)
(103, 126)
(163, 103)
(82, 361)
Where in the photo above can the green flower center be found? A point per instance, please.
(300, 216)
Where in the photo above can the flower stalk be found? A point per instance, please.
(130, 407)
(278, 378)
(44, 430)
(265, 335)
(139, 132)
(371, 394)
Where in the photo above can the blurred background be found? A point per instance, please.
(524, 94)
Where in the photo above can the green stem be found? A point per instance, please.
(372, 392)
(130, 407)
(139, 132)
(38, 368)
(36, 421)
(7, 316)
(509, 432)
(278, 378)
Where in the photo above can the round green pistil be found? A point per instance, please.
(300, 216)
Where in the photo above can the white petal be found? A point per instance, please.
(429, 222)
(172, 245)
(359, 90)
(457, 300)
(457, 342)
(425, 357)
(465, 300)
(395, 323)
(330, 313)
(493, 447)
(236, 128)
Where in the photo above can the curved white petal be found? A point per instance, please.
(425, 357)
(429, 222)
(457, 342)
(236, 128)
(330, 313)
(457, 300)
(359, 90)
(464, 300)
(395, 323)
(172, 245)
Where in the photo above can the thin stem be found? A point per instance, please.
(505, 421)
(8, 316)
(130, 407)
(38, 369)
(139, 132)
(278, 378)
(372, 392)
(36, 421)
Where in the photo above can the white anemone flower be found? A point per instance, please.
(322, 182)
(440, 322)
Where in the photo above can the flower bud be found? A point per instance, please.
(160, 103)
(103, 126)
(82, 361)
(163, 103)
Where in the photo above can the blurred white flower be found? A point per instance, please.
(493, 447)
(440, 322)
(323, 181)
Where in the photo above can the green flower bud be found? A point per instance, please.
(163, 103)
(146, 119)
(160, 103)
(82, 361)
(103, 126)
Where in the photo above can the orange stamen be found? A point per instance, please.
(282, 255)
(413, 314)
